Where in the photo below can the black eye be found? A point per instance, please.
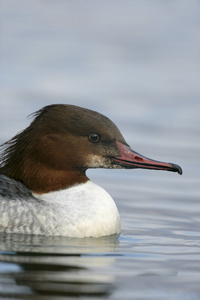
(94, 137)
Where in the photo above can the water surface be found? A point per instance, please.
(138, 63)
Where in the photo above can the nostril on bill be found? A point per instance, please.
(138, 158)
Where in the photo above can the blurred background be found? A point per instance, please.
(138, 63)
(135, 61)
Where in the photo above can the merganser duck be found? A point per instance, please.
(43, 186)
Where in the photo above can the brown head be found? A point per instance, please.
(62, 142)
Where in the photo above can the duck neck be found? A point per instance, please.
(41, 179)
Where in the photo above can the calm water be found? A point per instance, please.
(138, 63)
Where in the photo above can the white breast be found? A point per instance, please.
(84, 210)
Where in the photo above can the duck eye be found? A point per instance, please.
(94, 137)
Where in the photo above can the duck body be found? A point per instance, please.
(83, 210)
(44, 189)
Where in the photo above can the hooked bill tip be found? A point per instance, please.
(178, 169)
(180, 172)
